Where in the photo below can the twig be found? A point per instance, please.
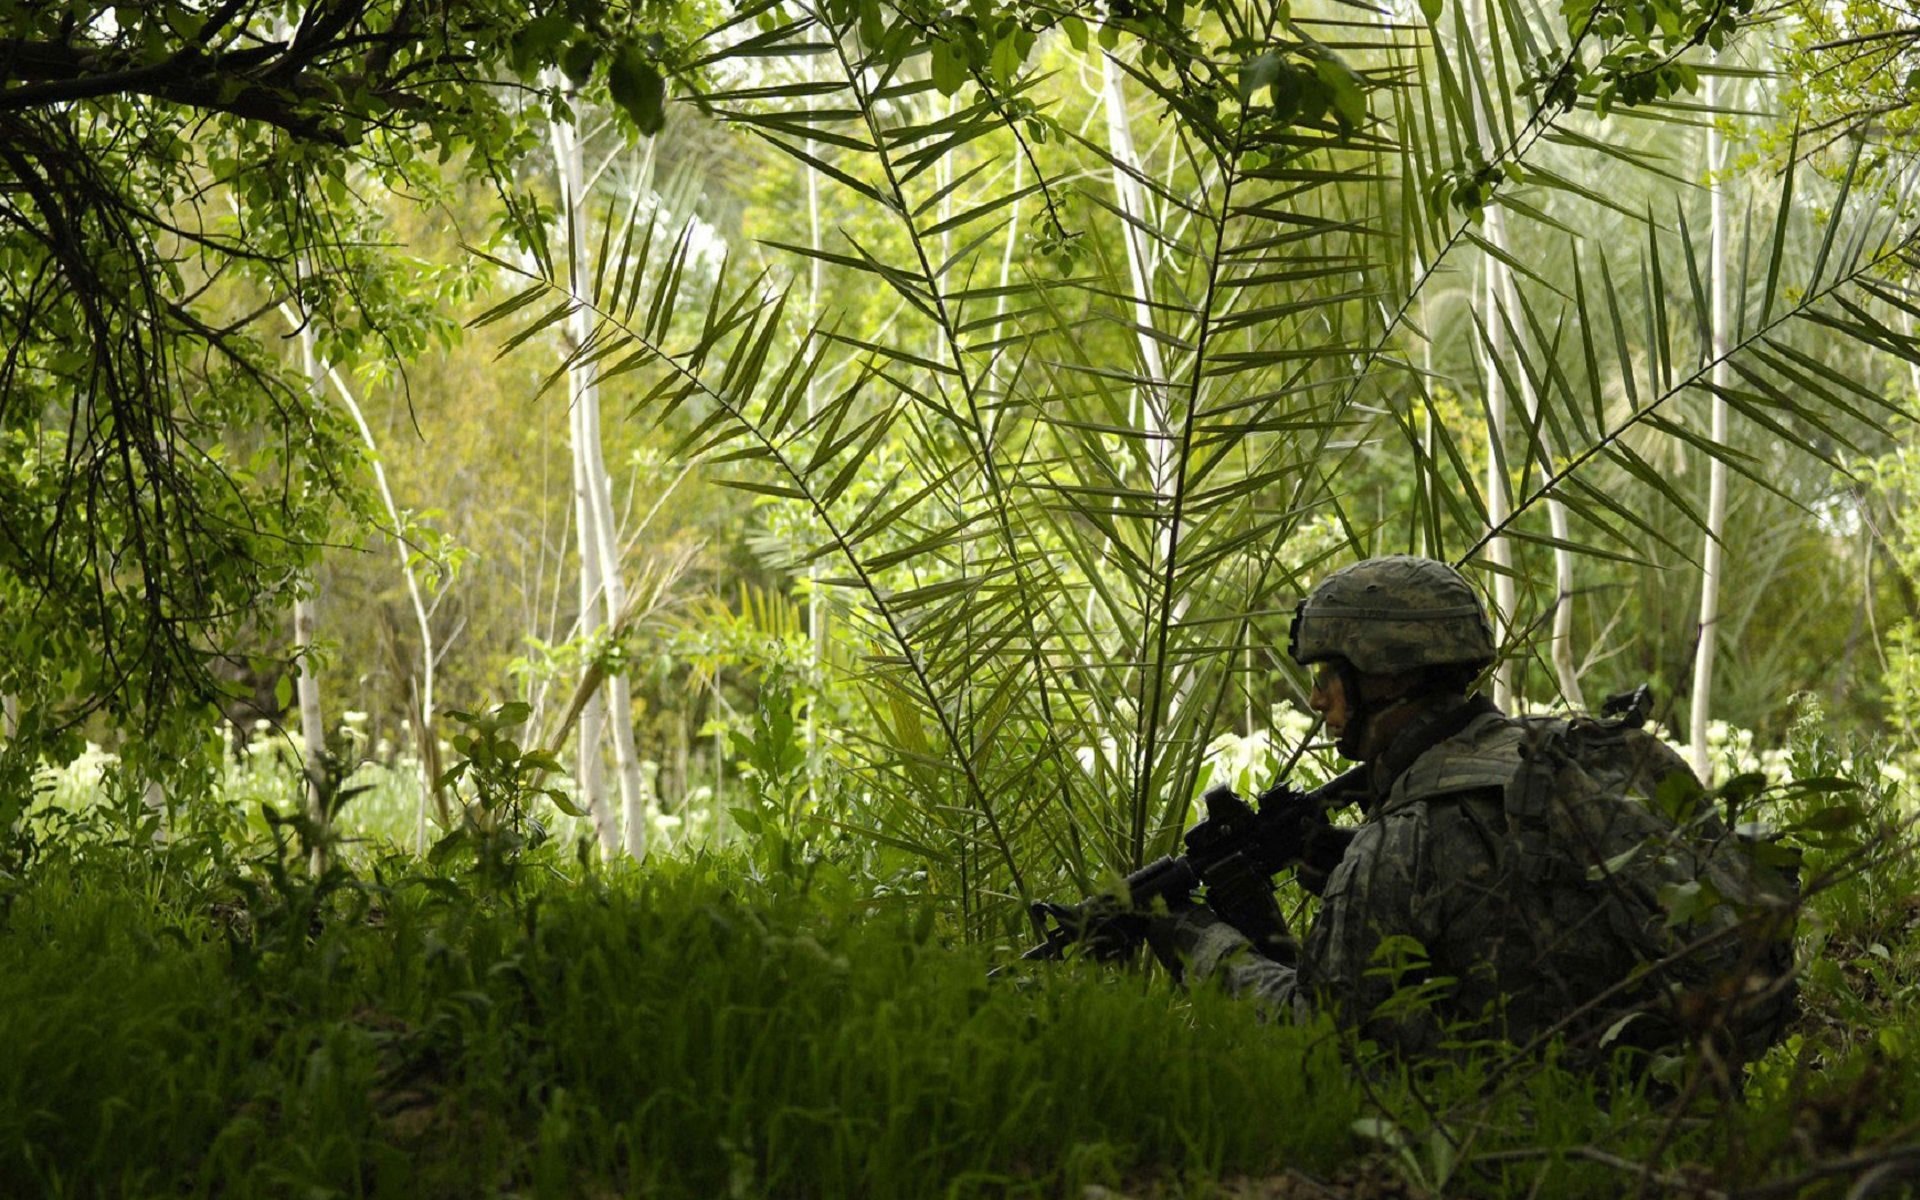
(1875, 1167)
(1594, 1154)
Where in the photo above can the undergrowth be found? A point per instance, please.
(677, 1033)
(202, 1016)
(685, 1031)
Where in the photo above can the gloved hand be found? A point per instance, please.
(1105, 928)
(1324, 846)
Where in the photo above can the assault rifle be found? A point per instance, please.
(1233, 853)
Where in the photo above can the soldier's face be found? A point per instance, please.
(1329, 699)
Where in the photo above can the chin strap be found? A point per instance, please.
(1352, 739)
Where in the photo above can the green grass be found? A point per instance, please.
(674, 1034)
(170, 1026)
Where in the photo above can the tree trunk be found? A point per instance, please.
(426, 746)
(313, 728)
(1155, 418)
(1133, 203)
(1711, 556)
(589, 770)
(603, 597)
(1560, 639)
(1499, 498)
(1497, 284)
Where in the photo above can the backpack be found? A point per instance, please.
(1687, 926)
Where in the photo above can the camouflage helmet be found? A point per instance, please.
(1396, 613)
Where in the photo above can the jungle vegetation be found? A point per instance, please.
(568, 570)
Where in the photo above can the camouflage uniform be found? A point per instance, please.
(1428, 864)
(1519, 937)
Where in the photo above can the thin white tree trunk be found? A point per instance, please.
(426, 748)
(10, 716)
(1496, 283)
(1424, 418)
(602, 596)
(1565, 669)
(1711, 556)
(1006, 265)
(589, 768)
(1560, 641)
(313, 727)
(1133, 203)
(613, 593)
(1155, 415)
(1500, 291)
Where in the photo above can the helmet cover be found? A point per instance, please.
(1395, 613)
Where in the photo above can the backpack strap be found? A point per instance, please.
(1540, 751)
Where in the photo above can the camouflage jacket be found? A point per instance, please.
(1435, 891)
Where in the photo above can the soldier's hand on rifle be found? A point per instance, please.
(1323, 846)
(1317, 844)
(1104, 927)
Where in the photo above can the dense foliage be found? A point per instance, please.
(175, 175)
(984, 381)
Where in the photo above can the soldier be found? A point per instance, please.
(1506, 878)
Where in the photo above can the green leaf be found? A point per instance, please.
(1005, 63)
(1688, 901)
(637, 86)
(1258, 72)
(1381, 1130)
(1614, 865)
(1741, 789)
(535, 43)
(1824, 785)
(447, 847)
(1349, 101)
(579, 60)
(1076, 31)
(758, 487)
(1614, 1030)
(1831, 819)
(948, 68)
